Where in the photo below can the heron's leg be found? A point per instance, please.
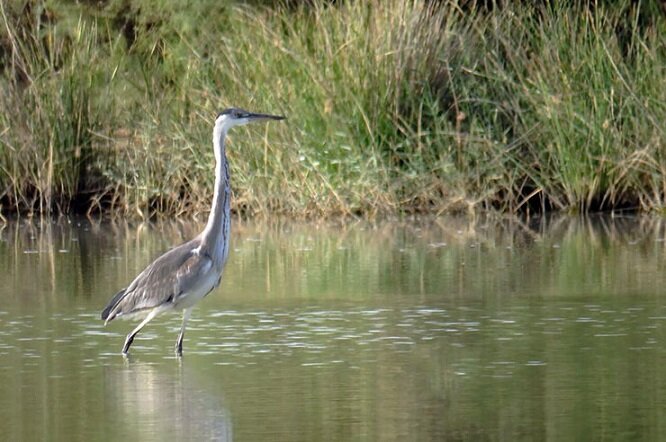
(179, 343)
(130, 337)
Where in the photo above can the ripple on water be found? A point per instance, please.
(320, 336)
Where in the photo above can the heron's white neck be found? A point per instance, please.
(215, 237)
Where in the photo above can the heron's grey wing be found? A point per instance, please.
(161, 282)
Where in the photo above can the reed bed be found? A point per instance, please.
(394, 107)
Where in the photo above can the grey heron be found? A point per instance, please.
(181, 277)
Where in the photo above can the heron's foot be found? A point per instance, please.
(128, 342)
(179, 344)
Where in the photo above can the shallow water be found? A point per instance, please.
(430, 330)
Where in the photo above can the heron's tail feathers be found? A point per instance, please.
(112, 305)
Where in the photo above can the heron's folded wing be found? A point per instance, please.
(191, 272)
(163, 280)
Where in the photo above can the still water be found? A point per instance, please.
(442, 329)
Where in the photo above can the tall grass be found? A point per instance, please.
(50, 109)
(393, 106)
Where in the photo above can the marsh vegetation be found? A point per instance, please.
(394, 106)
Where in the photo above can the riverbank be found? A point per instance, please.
(393, 107)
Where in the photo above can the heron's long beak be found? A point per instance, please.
(259, 117)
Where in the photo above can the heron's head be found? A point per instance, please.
(231, 117)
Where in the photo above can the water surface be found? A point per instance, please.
(415, 330)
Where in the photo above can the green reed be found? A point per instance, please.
(392, 107)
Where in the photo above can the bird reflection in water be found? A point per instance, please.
(151, 403)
